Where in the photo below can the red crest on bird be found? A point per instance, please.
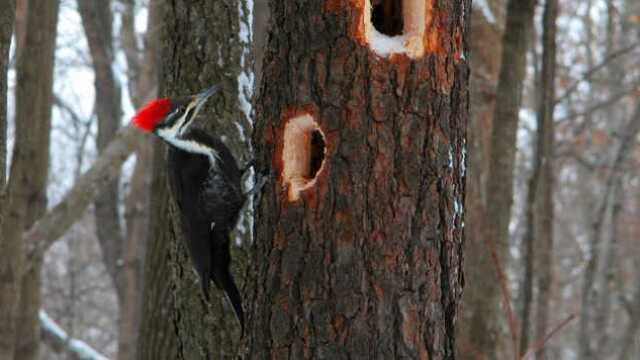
(152, 114)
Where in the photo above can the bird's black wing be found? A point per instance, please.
(222, 276)
(185, 182)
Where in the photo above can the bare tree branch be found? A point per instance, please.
(589, 73)
(53, 335)
(58, 220)
(612, 100)
(629, 133)
(541, 343)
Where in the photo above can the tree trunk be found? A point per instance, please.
(610, 268)
(202, 45)
(138, 207)
(544, 208)
(28, 329)
(358, 250)
(157, 338)
(97, 22)
(119, 258)
(480, 293)
(538, 236)
(8, 247)
(143, 75)
(29, 168)
(501, 160)
(260, 23)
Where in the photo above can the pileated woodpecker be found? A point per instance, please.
(205, 180)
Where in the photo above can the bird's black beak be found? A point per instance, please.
(196, 103)
(203, 96)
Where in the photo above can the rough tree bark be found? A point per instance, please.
(7, 265)
(157, 337)
(201, 46)
(260, 22)
(367, 263)
(26, 189)
(479, 296)
(501, 161)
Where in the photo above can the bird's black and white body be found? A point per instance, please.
(206, 189)
(206, 184)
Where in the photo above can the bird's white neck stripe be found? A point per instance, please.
(170, 135)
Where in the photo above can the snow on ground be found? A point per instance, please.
(78, 347)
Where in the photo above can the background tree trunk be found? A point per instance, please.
(97, 21)
(538, 236)
(480, 292)
(27, 182)
(28, 323)
(8, 247)
(119, 257)
(519, 20)
(368, 262)
(143, 67)
(545, 204)
(201, 46)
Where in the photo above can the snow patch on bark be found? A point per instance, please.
(410, 43)
(246, 82)
(246, 77)
(384, 45)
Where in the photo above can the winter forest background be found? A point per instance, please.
(566, 187)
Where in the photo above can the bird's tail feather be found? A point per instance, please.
(228, 286)
(233, 296)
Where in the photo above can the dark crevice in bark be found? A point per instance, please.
(386, 16)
